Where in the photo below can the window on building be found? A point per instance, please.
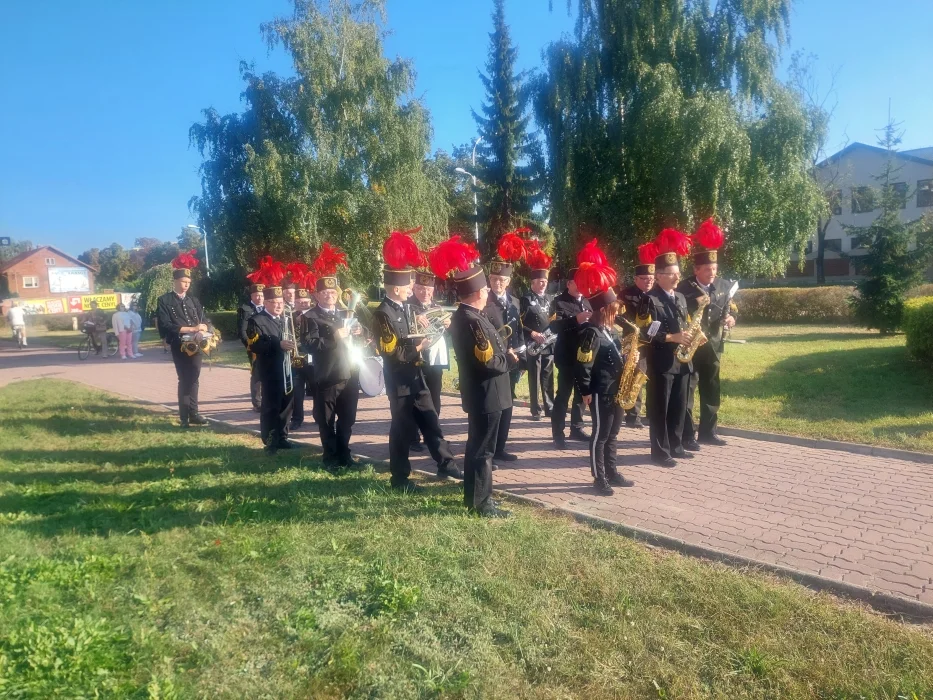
(900, 189)
(925, 193)
(863, 200)
(50, 261)
(835, 202)
(30, 282)
(809, 248)
(833, 244)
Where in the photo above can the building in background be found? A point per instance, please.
(46, 273)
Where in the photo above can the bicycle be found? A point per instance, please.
(18, 336)
(86, 345)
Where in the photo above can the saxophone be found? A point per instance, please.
(685, 351)
(633, 379)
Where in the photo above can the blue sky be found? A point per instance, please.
(98, 96)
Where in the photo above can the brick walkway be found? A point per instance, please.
(861, 521)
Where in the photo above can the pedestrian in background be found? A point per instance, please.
(137, 321)
(122, 324)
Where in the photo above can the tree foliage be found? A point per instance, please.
(16, 247)
(336, 153)
(664, 113)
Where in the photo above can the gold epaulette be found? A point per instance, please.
(643, 321)
(250, 339)
(553, 317)
(482, 348)
(387, 338)
(585, 351)
(733, 308)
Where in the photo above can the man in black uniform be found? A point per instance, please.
(716, 317)
(632, 298)
(483, 361)
(179, 314)
(410, 400)
(302, 304)
(337, 381)
(436, 359)
(502, 310)
(666, 313)
(535, 319)
(571, 311)
(244, 314)
(265, 332)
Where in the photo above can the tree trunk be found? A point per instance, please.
(821, 251)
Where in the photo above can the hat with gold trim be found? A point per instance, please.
(672, 245)
(401, 256)
(647, 253)
(325, 266)
(538, 261)
(595, 278)
(509, 252)
(709, 238)
(183, 264)
(268, 275)
(458, 260)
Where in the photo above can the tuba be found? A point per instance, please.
(632, 379)
(685, 351)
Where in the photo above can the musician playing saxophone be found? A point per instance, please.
(716, 317)
(632, 299)
(266, 337)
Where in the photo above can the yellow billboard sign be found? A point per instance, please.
(104, 301)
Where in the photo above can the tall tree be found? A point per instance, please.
(506, 150)
(15, 248)
(91, 257)
(890, 266)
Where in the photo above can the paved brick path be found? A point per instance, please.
(864, 521)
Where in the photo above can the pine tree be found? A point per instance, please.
(890, 267)
(507, 152)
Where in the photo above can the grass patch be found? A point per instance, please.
(141, 560)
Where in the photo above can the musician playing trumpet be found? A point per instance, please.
(536, 309)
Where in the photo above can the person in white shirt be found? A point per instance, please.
(16, 317)
(122, 324)
(137, 322)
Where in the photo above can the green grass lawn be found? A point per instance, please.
(140, 560)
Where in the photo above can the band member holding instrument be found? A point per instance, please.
(244, 314)
(632, 298)
(483, 361)
(707, 240)
(400, 344)
(665, 310)
(598, 373)
(302, 304)
(535, 319)
(436, 359)
(181, 313)
(327, 338)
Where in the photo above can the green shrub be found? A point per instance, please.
(225, 322)
(794, 305)
(918, 325)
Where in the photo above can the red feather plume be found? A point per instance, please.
(647, 252)
(591, 253)
(296, 271)
(308, 281)
(670, 240)
(326, 262)
(452, 255)
(400, 250)
(511, 247)
(185, 261)
(593, 278)
(536, 258)
(709, 235)
(270, 272)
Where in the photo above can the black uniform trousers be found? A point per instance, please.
(566, 388)
(298, 398)
(409, 415)
(434, 378)
(482, 439)
(608, 417)
(275, 411)
(541, 383)
(705, 377)
(335, 413)
(188, 369)
(667, 409)
(255, 386)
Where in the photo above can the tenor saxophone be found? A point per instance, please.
(633, 379)
(685, 351)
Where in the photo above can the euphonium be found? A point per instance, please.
(633, 379)
(437, 320)
(685, 351)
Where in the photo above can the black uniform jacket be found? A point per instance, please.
(599, 361)
(713, 315)
(502, 314)
(564, 323)
(243, 315)
(401, 360)
(673, 317)
(264, 335)
(174, 313)
(536, 316)
(419, 309)
(330, 355)
(482, 361)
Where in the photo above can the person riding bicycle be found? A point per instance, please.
(94, 324)
(16, 317)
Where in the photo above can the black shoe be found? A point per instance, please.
(560, 443)
(184, 424)
(294, 425)
(692, 446)
(408, 486)
(493, 512)
(682, 454)
(284, 444)
(617, 479)
(712, 440)
(634, 423)
(449, 469)
(667, 462)
(494, 467)
(535, 417)
(332, 466)
(196, 419)
(602, 487)
(578, 434)
(271, 449)
(417, 447)
(547, 414)
(504, 457)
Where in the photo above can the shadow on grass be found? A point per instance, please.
(809, 337)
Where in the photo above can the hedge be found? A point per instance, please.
(225, 322)
(51, 322)
(794, 305)
(918, 325)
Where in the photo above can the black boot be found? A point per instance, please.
(602, 487)
(616, 479)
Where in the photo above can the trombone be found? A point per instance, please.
(291, 356)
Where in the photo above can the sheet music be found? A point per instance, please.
(437, 355)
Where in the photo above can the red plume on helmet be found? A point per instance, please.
(670, 240)
(452, 256)
(511, 246)
(327, 261)
(185, 261)
(647, 252)
(709, 235)
(296, 272)
(270, 272)
(536, 258)
(591, 253)
(308, 281)
(593, 278)
(400, 250)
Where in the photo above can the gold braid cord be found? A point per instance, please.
(483, 348)
(585, 351)
(387, 338)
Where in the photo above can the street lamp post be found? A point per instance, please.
(475, 205)
(207, 260)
